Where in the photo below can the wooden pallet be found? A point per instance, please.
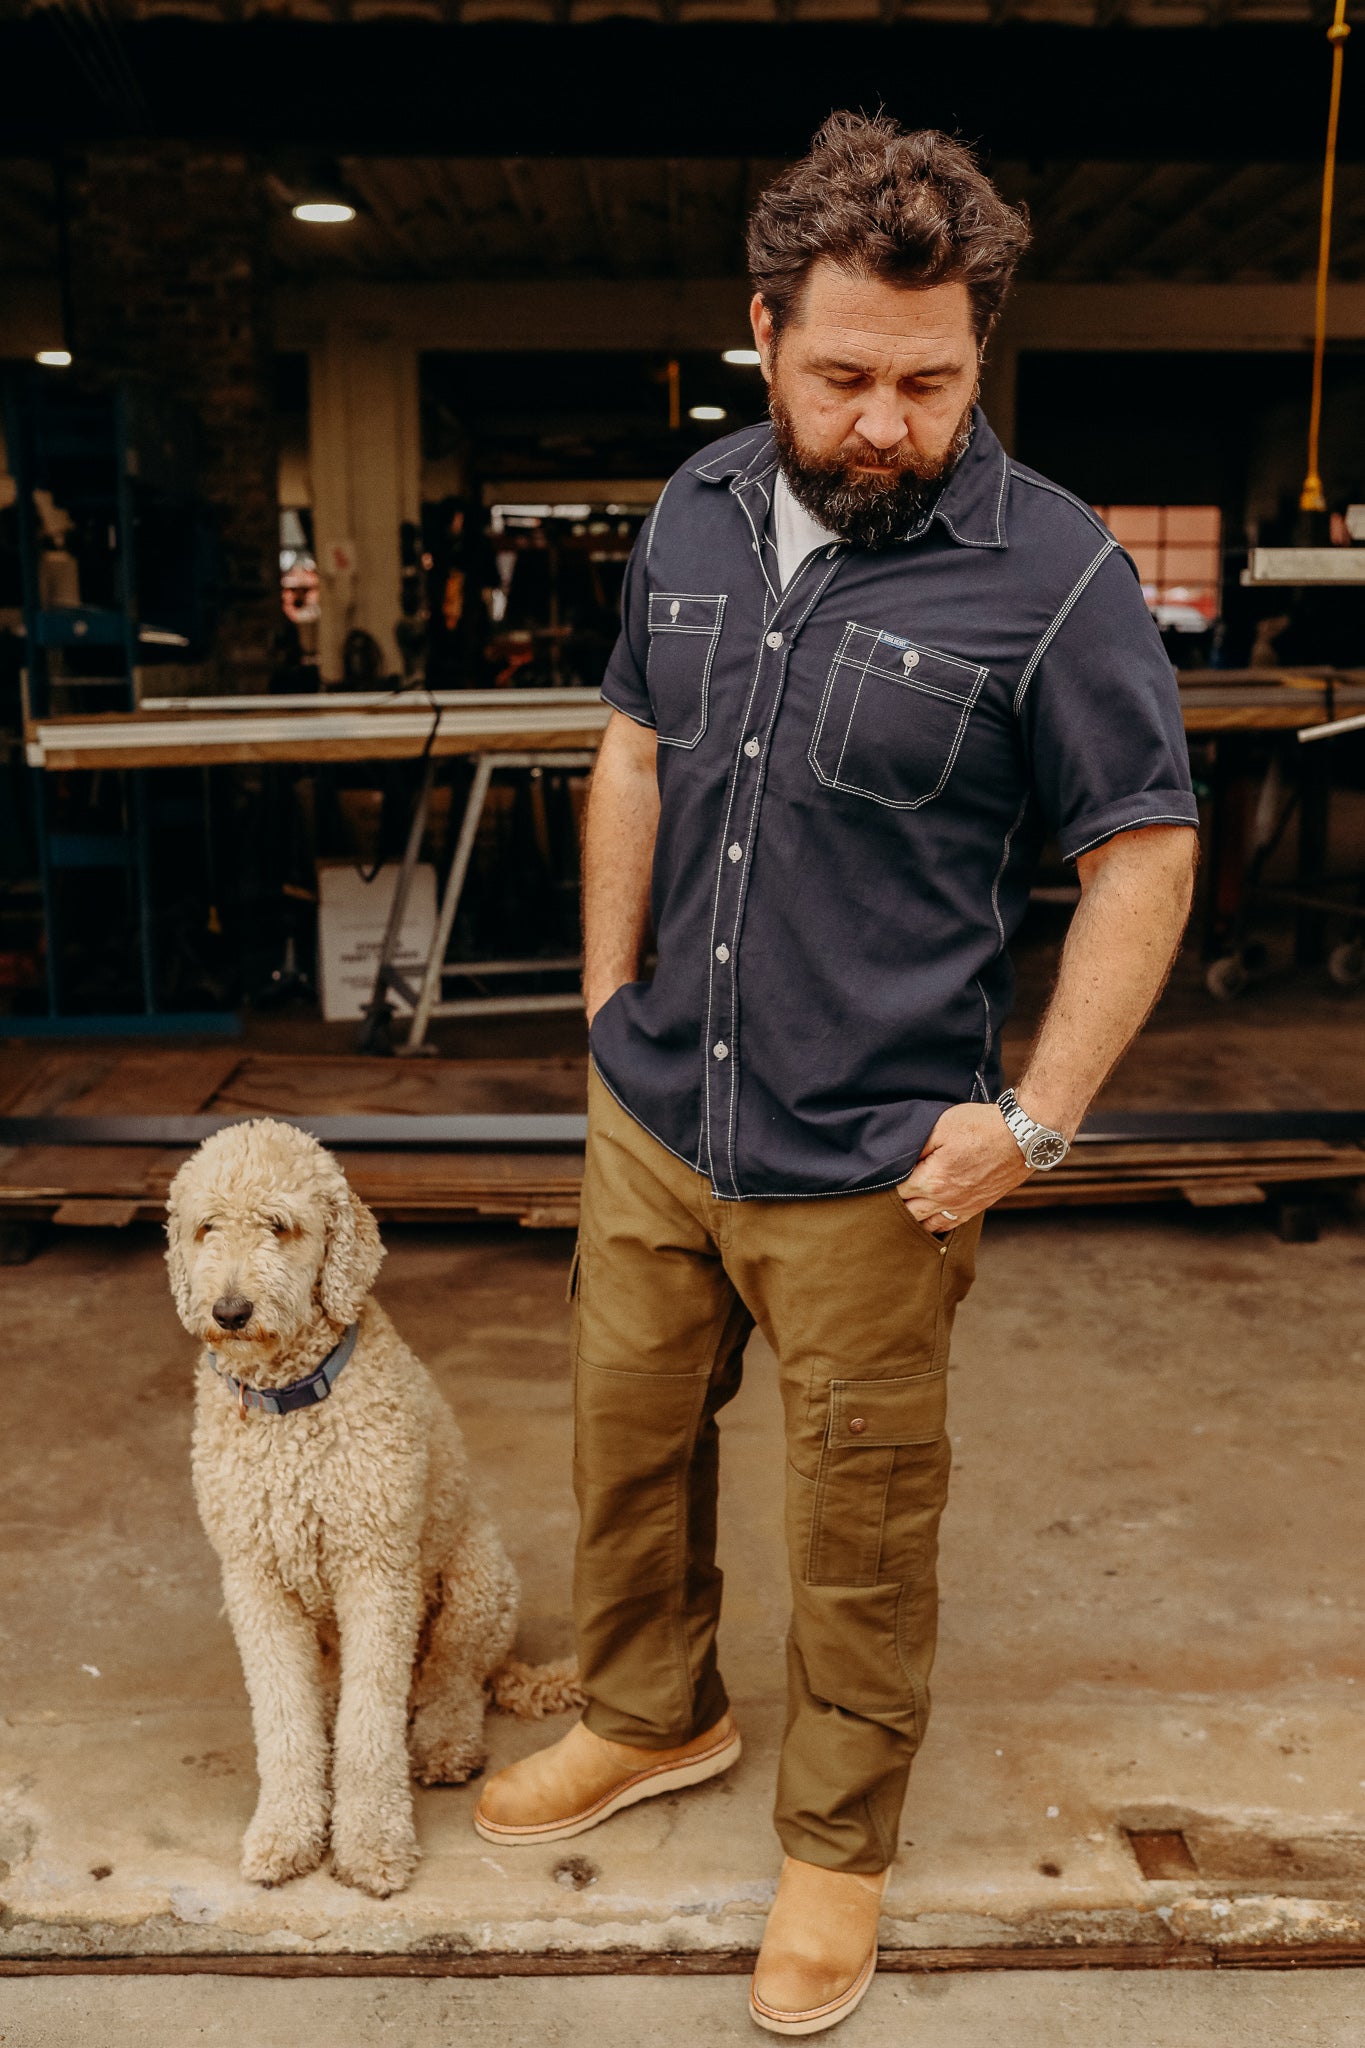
(106, 1184)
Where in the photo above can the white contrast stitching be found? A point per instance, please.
(965, 705)
(1040, 483)
(1130, 825)
(654, 519)
(1040, 650)
(1004, 863)
(705, 469)
(626, 712)
(743, 892)
(669, 631)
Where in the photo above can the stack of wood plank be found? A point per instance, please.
(116, 1184)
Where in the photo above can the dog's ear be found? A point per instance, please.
(352, 1259)
(177, 1266)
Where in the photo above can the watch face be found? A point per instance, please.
(1047, 1149)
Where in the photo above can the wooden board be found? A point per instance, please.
(539, 1190)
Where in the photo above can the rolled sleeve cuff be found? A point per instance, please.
(1129, 814)
(633, 707)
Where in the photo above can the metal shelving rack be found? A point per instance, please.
(104, 456)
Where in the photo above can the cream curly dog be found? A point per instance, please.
(348, 1523)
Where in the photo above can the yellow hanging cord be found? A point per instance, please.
(1311, 498)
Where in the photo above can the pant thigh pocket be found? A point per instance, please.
(881, 1481)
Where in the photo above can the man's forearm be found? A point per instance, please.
(1123, 940)
(618, 856)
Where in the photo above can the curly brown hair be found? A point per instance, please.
(912, 209)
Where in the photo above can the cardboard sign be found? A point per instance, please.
(352, 916)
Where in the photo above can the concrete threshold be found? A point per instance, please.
(716, 1963)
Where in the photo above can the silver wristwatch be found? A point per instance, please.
(1042, 1148)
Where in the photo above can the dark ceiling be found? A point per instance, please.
(593, 217)
(1032, 91)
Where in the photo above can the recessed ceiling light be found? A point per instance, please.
(745, 358)
(324, 212)
(54, 358)
(706, 412)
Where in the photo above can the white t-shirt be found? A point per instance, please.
(795, 533)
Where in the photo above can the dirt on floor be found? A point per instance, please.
(1151, 1626)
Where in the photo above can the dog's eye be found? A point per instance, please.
(281, 1229)
(202, 1232)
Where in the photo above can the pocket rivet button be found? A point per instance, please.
(857, 1425)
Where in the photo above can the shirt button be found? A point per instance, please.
(751, 748)
(857, 1425)
(736, 852)
(722, 954)
(721, 1049)
(774, 641)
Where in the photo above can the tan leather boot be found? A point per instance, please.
(581, 1780)
(819, 1952)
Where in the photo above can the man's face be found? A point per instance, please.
(871, 391)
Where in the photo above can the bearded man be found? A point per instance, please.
(868, 665)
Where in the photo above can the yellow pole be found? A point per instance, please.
(1311, 498)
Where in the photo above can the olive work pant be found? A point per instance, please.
(857, 1302)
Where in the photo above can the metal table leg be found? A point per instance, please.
(430, 991)
(374, 1029)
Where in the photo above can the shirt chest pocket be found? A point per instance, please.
(892, 718)
(684, 632)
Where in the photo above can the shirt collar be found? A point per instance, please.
(970, 507)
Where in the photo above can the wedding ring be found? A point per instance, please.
(951, 1214)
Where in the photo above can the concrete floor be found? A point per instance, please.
(1151, 1618)
(1023, 2009)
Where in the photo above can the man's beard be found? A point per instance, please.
(871, 511)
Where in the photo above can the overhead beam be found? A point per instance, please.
(711, 313)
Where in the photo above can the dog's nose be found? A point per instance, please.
(232, 1311)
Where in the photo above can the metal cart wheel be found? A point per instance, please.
(1346, 963)
(1227, 977)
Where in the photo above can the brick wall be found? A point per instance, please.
(169, 282)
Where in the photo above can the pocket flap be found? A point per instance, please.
(680, 612)
(908, 661)
(864, 1413)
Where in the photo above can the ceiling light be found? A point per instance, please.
(54, 358)
(743, 358)
(706, 412)
(324, 212)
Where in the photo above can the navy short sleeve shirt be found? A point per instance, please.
(856, 776)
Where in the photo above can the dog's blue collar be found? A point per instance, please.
(304, 1393)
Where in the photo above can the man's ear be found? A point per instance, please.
(761, 320)
(352, 1259)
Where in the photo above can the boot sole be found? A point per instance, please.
(821, 2016)
(644, 1785)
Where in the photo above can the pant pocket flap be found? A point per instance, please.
(904, 1411)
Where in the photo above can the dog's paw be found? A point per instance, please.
(447, 1763)
(278, 1846)
(374, 1854)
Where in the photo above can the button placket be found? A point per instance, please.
(729, 892)
(740, 832)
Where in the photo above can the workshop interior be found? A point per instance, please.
(316, 462)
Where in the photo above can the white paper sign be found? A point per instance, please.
(352, 915)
